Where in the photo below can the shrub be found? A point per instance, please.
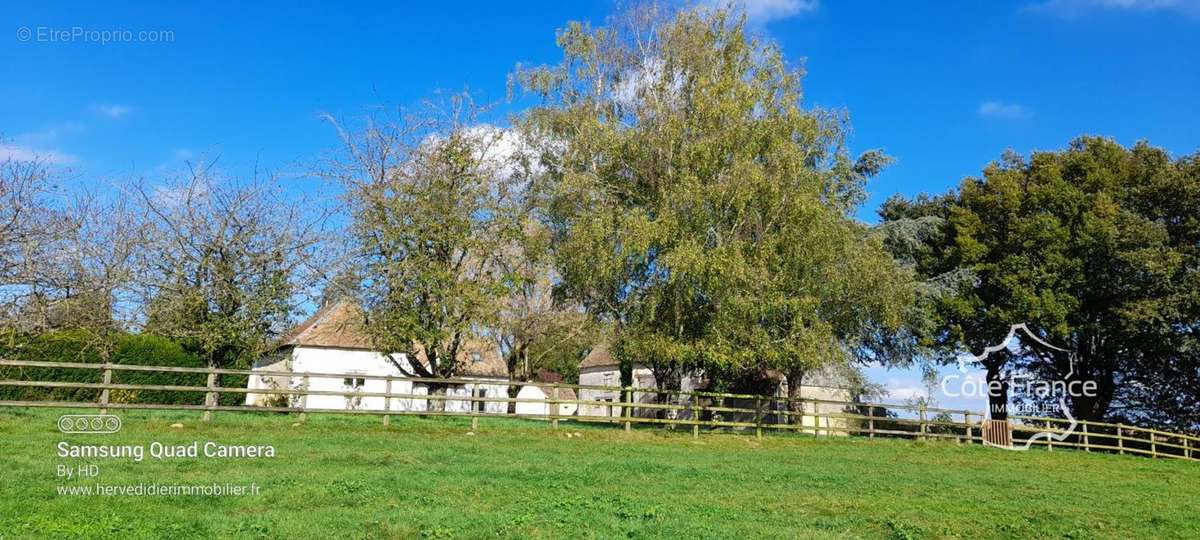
(78, 346)
(58, 346)
(151, 350)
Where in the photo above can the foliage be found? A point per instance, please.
(220, 269)
(150, 350)
(696, 206)
(430, 219)
(534, 329)
(1094, 247)
(80, 346)
(74, 346)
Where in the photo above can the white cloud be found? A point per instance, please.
(24, 153)
(1075, 8)
(50, 133)
(770, 10)
(112, 111)
(904, 388)
(905, 393)
(999, 109)
(765, 11)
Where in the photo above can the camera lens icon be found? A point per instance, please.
(89, 423)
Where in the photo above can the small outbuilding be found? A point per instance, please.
(546, 394)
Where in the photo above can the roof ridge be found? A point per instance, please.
(297, 334)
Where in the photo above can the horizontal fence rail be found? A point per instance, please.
(671, 409)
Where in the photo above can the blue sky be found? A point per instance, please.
(944, 87)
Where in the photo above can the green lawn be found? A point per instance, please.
(340, 476)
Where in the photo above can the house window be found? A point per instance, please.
(354, 382)
(476, 357)
(481, 406)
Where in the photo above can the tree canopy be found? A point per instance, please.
(698, 207)
(1094, 248)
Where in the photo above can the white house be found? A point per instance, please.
(333, 341)
(600, 368)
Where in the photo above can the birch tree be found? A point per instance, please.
(699, 208)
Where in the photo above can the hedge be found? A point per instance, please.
(148, 350)
(58, 346)
(129, 349)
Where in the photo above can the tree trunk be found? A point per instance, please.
(518, 372)
(1095, 407)
(436, 405)
(514, 388)
(997, 390)
(795, 380)
(666, 379)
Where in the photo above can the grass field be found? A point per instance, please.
(341, 476)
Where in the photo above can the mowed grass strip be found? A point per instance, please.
(351, 477)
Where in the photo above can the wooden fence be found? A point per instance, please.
(699, 411)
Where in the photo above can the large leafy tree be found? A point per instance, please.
(1093, 247)
(698, 208)
(431, 214)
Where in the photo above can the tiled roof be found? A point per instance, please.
(341, 325)
(598, 357)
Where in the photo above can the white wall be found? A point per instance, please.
(599, 376)
(275, 362)
(352, 363)
(611, 376)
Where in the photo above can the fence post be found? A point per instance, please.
(107, 379)
(1187, 448)
(387, 401)
(552, 407)
(627, 409)
(1050, 439)
(474, 409)
(1087, 444)
(967, 421)
(210, 397)
(304, 399)
(922, 411)
(758, 417)
(1120, 440)
(1153, 446)
(695, 416)
(870, 421)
